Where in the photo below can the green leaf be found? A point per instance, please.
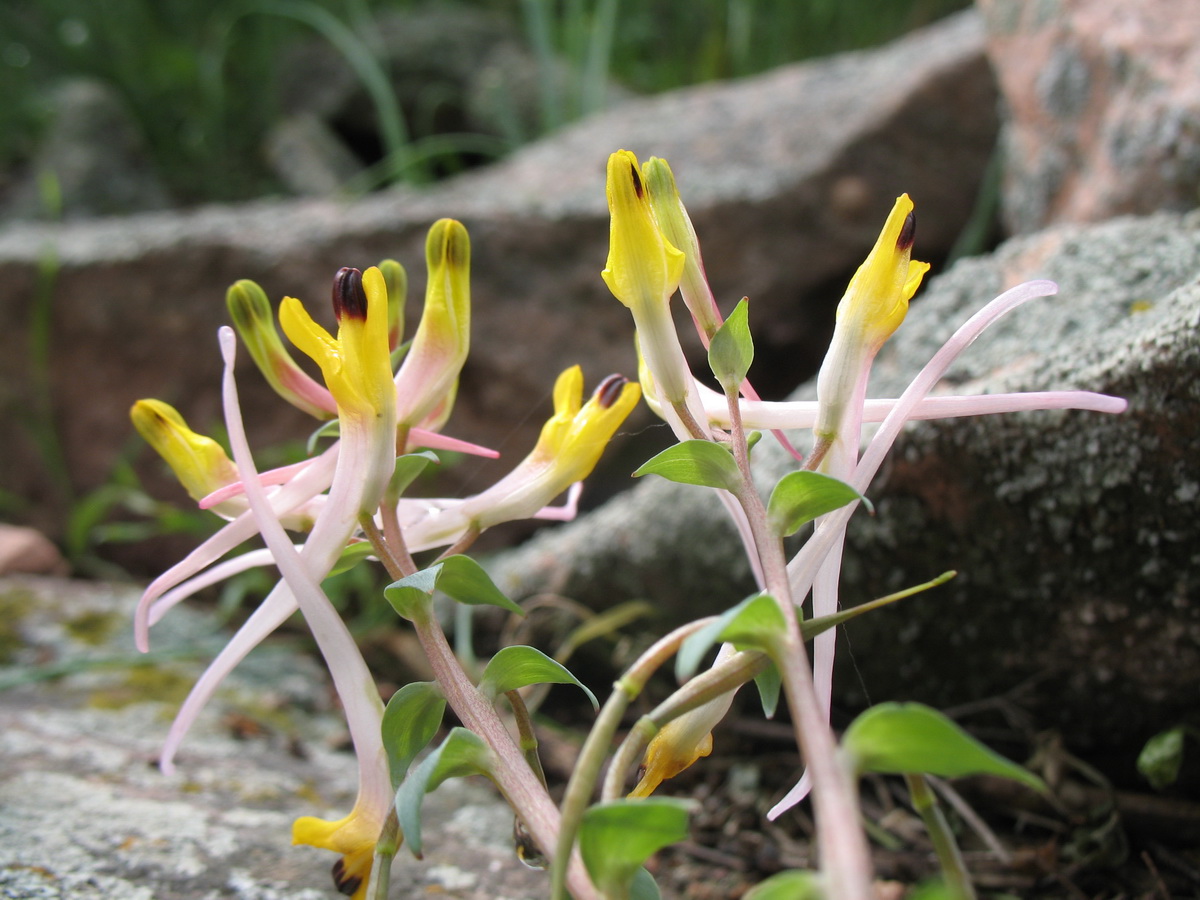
(756, 623)
(458, 577)
(732, 349)
(695, 462)
(616, 838)
(351, 557)
(332, 429)
(768, 683)
(408, 467)
(643, 887)
(462, 753)
(795, 884)
(516, 667)
(1161, 758)
(800, 497)
(896, 738)
(410, 721)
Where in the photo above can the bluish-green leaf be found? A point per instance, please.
(644, 887)
(616, 838)
(794, 884)
(410, 721)
(755, 623)
(408, 467)
(459, 577)
(462, 753)
(516, 667)
(800, 497)
(695, 462)
(732, 349)
(896, 738)
(1161, 758)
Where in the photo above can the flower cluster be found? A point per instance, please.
(383, 398)
(653, 251)
(327, 502)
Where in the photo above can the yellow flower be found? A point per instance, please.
(680, 743)
(199, 462)
(567, 450)
(643, 272)
(876, 301)
(573, 439)
(874, 305)
(643, 266)
(354, 837)
(356, 364)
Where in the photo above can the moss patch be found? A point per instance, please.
(141, 684)
(94, 628)
(15, 605)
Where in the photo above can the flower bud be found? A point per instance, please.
(429, 373)
(255, 324)
(199, 462)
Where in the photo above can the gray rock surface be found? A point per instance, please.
(1074, 533)
(786, 174)
(85, 815)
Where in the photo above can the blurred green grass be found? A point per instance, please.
(201, 78)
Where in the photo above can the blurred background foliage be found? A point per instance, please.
(203, 81)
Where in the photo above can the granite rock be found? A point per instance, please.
(1102, 107)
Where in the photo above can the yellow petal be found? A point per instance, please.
(876, 300)
(643, 266)
(670, 751)
(354, 837)
(199, 462)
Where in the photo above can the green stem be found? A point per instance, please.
(526, 738)
(398, 564)
(717, 681)
(599, 739)
(385, 851)
(958, 880)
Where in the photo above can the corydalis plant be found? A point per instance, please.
(348, 493)
(381, 400)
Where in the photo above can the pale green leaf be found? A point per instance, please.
(516, 667)
(755, 623)
(410, 721)
(897, 738)
(800, 497)
(794, 884)
(462, 753)
(616, 838)
(458, 577)
(732, 349)
(1161, 758)
(695, 462)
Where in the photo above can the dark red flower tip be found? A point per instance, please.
(610, 389)
(349, 298)
(908, 233)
